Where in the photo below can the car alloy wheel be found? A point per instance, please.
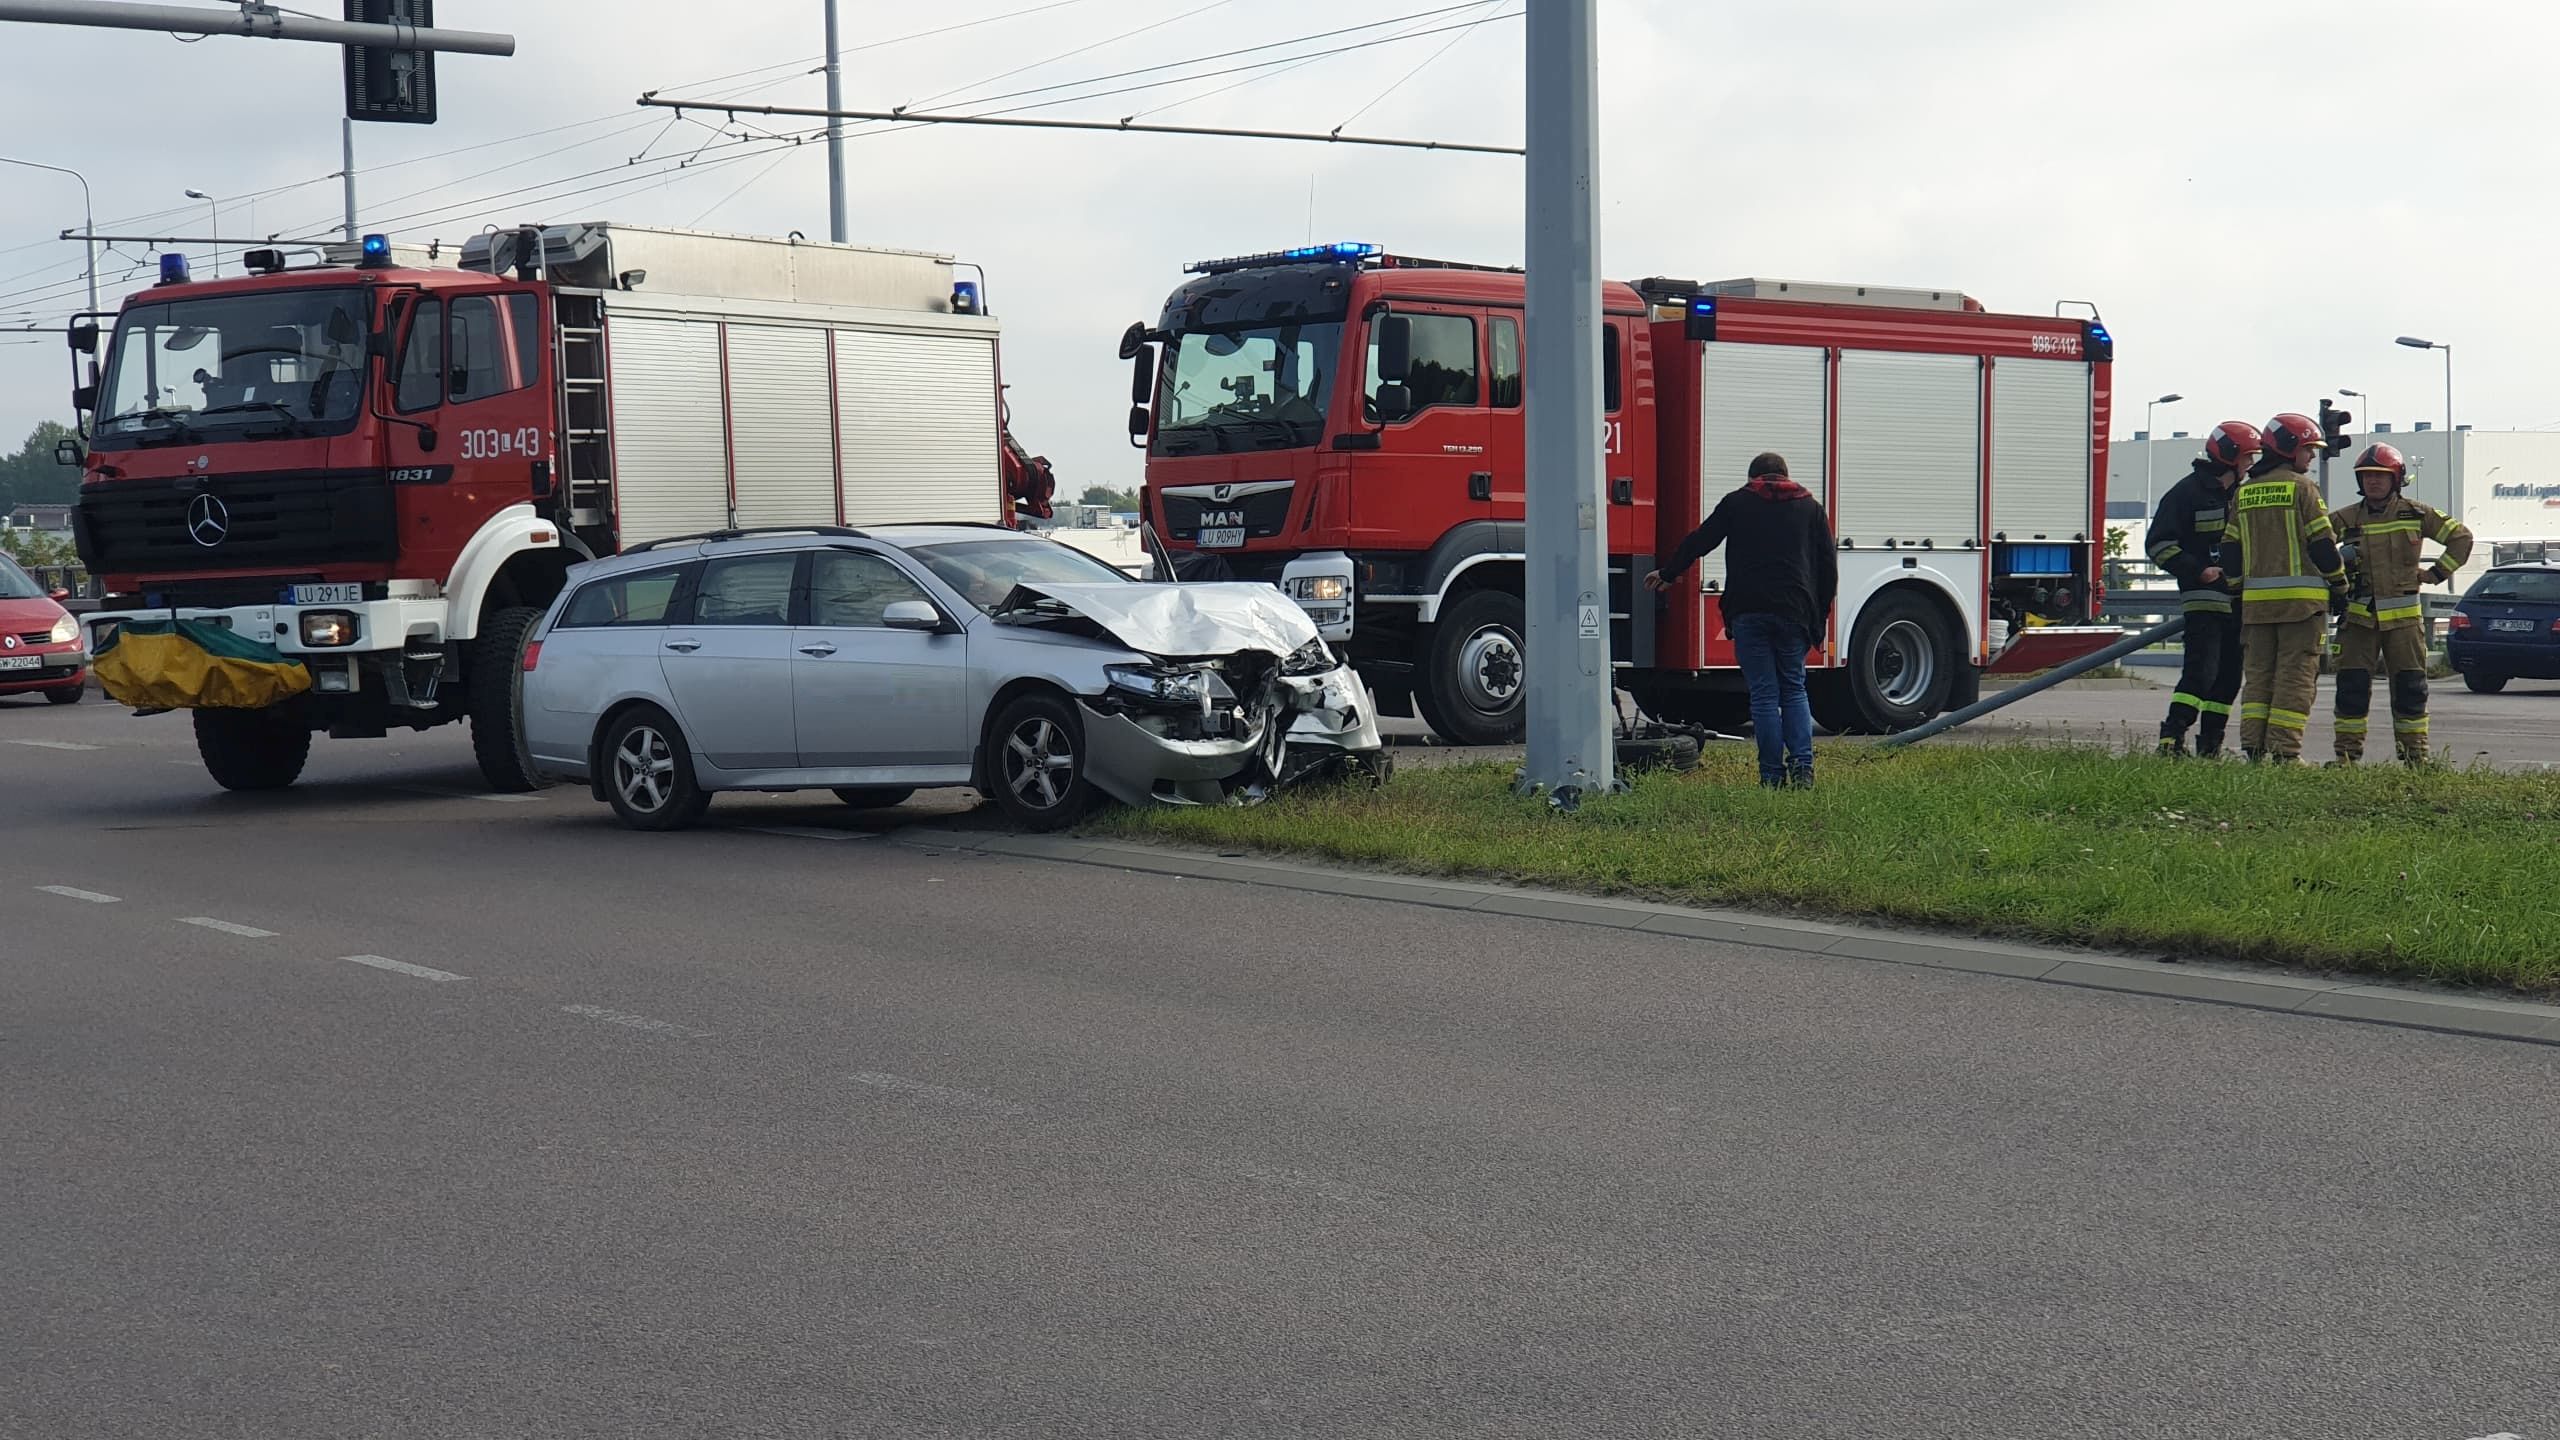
(644, 770)
(1039, 763)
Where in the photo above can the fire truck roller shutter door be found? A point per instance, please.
(670, 454)
(1756, 398)
(916, 418)
(2040, 429)
(781, 436)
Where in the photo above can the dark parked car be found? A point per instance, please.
(2508, 628)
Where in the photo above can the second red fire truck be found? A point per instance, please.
(1347, 424)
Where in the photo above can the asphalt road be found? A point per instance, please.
(380, 1108)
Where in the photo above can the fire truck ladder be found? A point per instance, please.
(586, 414)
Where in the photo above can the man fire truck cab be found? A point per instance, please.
(1347, 424)
(374, 470)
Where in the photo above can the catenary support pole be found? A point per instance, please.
(2015, 693)
(835, 133)
(1569, 729)
(347, 153)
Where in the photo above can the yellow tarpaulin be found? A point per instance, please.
(157, 665)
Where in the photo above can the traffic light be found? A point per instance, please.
(2333, 427)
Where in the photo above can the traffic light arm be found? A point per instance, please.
(257, 21)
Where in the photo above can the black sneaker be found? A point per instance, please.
(1801, 780)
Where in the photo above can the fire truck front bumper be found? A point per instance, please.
(331, 639)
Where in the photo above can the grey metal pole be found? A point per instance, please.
(260, 24)
(1571, 750)
(2448, 391)
(347, 156)
(835, 133)
(2046, 681)
(88, 222)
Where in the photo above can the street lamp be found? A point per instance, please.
(2414, 343)
(216, 203)
(2371, 415)
(2150, 445)
(88, 224)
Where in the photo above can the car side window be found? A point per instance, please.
(852, 588)
(422, 359)
(647, 597)
(1504, 336)
(746, 590)
(1612, 367)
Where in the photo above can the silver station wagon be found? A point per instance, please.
(877, 662)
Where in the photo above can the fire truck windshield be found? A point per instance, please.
(184, 369)
(1247, 388)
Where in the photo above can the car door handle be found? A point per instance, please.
(821, 650)
(686, 646)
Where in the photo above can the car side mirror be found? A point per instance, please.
(1395, 348)
(910, 615)
(57, 595)
(84, 337)
(1394, 402)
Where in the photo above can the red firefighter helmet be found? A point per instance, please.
(2288, 435)
(2231, 443)
(2386, 459)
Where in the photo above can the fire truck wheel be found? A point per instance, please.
(1473, 678)
(251, 749)
(493, 684)
(1902, 665)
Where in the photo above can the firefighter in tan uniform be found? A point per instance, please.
(2380, 536)
(2282, 547)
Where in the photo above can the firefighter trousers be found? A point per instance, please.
(2281, 673)
(2402, 656)
(2208, 681)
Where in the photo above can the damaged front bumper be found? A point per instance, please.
(1302, 728)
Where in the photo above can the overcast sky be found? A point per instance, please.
(2255, 241)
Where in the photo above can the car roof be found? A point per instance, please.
(683, 550)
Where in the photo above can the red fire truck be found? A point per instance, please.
(1347, 424)
(381, 464)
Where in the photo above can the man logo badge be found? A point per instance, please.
(1222, 493)
(208, 521)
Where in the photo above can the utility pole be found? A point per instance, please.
(88, 221)
(347, 154)
(1571, 741)
(835, 133)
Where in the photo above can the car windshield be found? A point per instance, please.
(181, 368)
(1250, 388)
(2528, 585)
(17, 584)
(985, 571)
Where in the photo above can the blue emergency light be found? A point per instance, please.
(964, 298)
(1348, 250)
(377, 252)
(173, 269)
(1702, 318)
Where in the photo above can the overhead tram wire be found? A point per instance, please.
(1274, 74)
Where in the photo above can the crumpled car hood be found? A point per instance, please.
(1188, 620)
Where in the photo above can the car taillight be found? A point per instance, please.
(532, 656)
(2462, 622)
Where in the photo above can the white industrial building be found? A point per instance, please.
(2504, 484)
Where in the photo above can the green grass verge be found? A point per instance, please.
(2441, 874)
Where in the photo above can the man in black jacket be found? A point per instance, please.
(1781, 575)
(2186, 541)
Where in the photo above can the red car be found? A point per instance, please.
(41, 648)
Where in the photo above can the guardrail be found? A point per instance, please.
(2160, 604)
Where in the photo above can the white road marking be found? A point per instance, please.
(54, 744)
(466, 795)
(226, 927)
(92, 896)
(805, 832)
(635, 1022)
(402, 966)
(941, 1094)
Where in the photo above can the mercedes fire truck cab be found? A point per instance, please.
(379, 466)
(1348, 424)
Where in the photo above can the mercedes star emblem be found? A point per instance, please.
(208, 521)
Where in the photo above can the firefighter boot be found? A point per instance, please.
(2172, 746)
(2209, 734)
(2355, 700)
(2409, 715)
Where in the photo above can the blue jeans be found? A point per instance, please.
(1771, 653)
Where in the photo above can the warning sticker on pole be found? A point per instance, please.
(1590, 622)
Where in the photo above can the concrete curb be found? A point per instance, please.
(2369, 1003)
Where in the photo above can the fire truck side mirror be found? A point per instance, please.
(1138, 418)
(84, 398)
(67, 452)
(1142, 377)
(84, 337)
(1395, 349)
(1394, 403)
(1133, 339)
